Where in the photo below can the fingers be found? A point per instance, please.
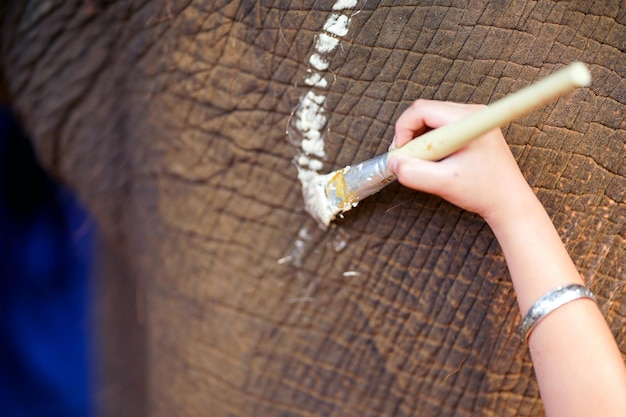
(425, 114)
(418, 174)
(477, 178)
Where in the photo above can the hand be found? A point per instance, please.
(482, 177)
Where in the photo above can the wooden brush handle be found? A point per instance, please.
(444, 141)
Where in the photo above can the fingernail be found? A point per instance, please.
(393, 164)
(393, 144)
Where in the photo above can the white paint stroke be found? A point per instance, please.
(337, 24)
(312, 164)
(318, 62)
(325, 43)
(309, 120)
(344, 4)
(296, 255)
(316, 79)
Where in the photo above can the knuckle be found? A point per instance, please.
(469, 108)
(419, 104)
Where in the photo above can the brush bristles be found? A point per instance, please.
(316, 202)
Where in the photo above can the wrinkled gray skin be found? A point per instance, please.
(168, 118)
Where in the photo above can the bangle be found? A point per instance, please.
(548, 303)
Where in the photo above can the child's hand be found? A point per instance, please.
(482, 177)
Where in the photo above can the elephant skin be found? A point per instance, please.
(169, 119)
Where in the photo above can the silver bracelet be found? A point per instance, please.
(548, 303)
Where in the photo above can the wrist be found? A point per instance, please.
(537, 259)
(518, 207)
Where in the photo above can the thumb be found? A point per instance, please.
(421, 175)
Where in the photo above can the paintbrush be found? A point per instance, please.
(326, 196)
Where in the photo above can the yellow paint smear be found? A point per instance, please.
(338, 183)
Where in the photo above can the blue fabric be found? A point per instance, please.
(45, 256)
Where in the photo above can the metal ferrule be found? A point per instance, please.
(369, 177)
(361, 181)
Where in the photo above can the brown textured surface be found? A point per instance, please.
(169, 119)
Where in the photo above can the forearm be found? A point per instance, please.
(536, 257)
(578, 365)
(577, 362)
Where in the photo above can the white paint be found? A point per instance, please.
(315, 195)
(310, 120)
(315, 164)
(344, 4)
(351, 274)
(318, 62)
(314, 145)
(325, 44)
(315, 79)
(310, 163)
(310, 113)
(296, 255)
(304, 234)
(337, 24)
(284, 260)
(316, 98)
